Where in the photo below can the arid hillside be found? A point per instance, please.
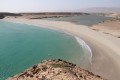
(55, 70)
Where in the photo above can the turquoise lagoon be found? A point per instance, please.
(22, 46)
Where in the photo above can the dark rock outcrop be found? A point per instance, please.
(55, 70)
(1, 16)
(9, 14)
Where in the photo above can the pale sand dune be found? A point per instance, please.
(111, 27)
(105, 48)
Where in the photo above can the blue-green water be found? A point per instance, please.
(88, 20)
(22, 46)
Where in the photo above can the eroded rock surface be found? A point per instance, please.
(55, 70)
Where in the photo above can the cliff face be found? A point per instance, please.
(55, 70)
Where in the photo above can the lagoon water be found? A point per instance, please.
(88, 20)
(22, 46)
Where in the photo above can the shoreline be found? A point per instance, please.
(77, 38)
(80, 41)
(84, 46)
(106, 53)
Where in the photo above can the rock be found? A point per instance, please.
(1, 16)
(55, 70)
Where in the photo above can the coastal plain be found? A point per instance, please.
(105, 48)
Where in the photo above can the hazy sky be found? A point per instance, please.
(53, 5)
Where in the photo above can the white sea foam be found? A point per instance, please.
(85, 47)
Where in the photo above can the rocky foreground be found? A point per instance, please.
(55, 70)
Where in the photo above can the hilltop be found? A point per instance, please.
(55, 70)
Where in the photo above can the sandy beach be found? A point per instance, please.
(105, 48)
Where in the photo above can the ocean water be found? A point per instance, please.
(22, 46)
(88, 20)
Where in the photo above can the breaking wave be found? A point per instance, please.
(85, 48)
